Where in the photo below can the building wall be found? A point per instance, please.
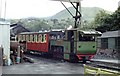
(5, 39)
(104, 43)
(98, 42)
(111, 43)
(117, 43)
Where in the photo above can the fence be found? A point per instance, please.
(93, 71)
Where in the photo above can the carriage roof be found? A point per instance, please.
(33, 32)
(90, 32)
(42, 32)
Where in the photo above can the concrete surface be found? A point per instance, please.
(44, 66)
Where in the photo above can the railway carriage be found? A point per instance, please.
(72, 45)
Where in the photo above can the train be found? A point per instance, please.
(71, 45)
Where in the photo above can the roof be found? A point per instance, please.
(32, 32)
(111, 34)
(91, 32)
(16, 29)
(17, 25)
(41, 32)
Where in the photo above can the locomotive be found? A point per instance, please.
(73, 45)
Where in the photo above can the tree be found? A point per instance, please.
(99, 18)
(105, 22)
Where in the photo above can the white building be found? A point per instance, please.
(5, 39)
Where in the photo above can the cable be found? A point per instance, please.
(67, 9)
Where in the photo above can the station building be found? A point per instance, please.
(110, 40)
(109, 45)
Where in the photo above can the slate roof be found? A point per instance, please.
(17, 28)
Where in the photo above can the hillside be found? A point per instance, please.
(59, 20)
(88, 13)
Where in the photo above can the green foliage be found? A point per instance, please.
(100, 19)
(108, 22)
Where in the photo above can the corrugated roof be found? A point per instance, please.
(111, 34)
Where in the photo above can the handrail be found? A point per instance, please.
(88, 71)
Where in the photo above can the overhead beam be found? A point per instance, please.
(74, 1)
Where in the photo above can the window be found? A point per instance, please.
(19, 37)
(23, 37)
(31, 38)
(35, 38)
(44, 40)
(27, 38)
(86, 38)
(104, 43)
(40, 38)
(117, 42)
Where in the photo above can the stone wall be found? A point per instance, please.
(107, 54)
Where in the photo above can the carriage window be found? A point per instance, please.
(44, 38)
(19, 37)
(40, 38)
(31, 38)
(27, 38)
(23, 37)
(35, 38)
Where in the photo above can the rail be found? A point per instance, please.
(93, 71)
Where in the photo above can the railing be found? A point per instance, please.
(93, 71)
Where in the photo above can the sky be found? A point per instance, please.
(16, 9)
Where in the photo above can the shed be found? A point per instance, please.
(16, 29)
(110, 40)
(5, 40)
